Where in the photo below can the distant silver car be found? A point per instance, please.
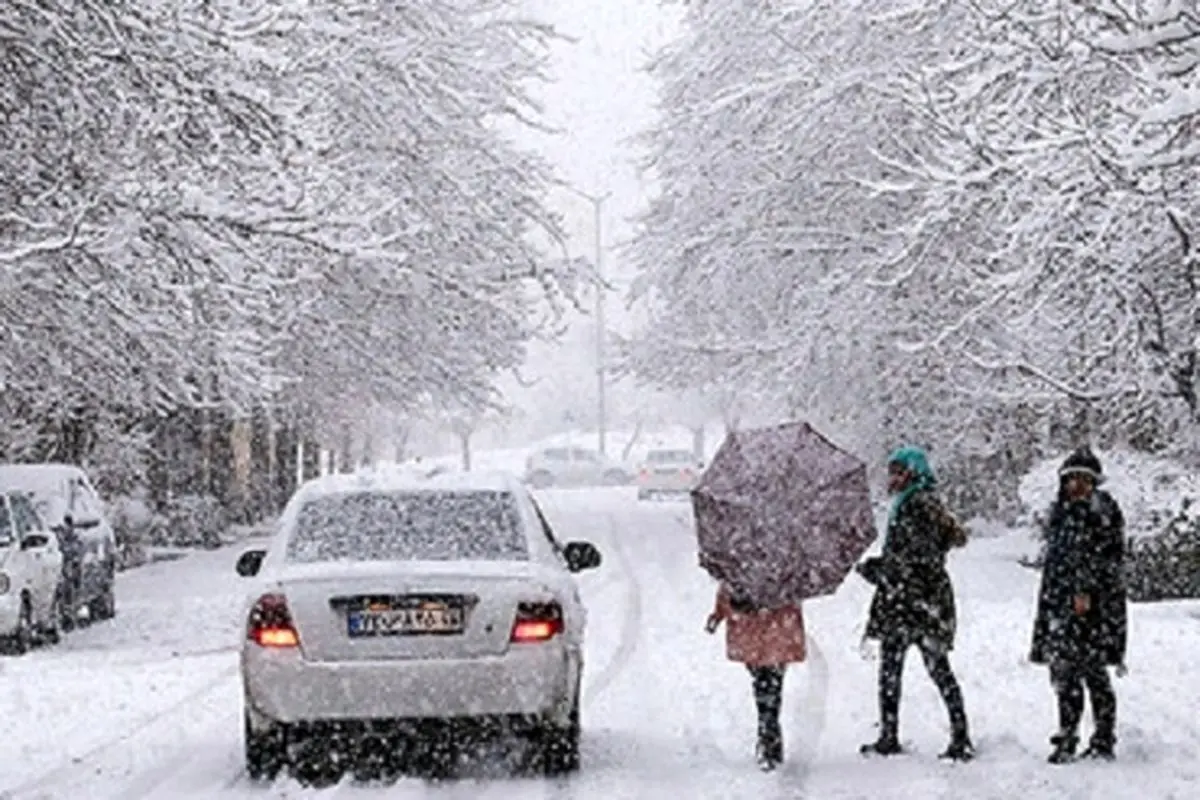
(668, 472)
(573, 466)
(390, 603)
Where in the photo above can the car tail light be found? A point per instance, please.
(270, 623)
(537, 622)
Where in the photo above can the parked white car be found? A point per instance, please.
(71, 508)
(386, 603)
(30, 570)
(668, 472)
(571, 467)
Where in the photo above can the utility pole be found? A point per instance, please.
(597, 202)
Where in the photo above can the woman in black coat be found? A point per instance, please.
(1080, 628)
(913, 604)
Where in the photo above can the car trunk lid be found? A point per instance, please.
(414, 610)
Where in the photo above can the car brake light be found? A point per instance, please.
(270, 623)
(537, 622)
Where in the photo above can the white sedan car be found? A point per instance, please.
(668, 472)
(388, 603)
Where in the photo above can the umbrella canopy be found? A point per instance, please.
(782, 514)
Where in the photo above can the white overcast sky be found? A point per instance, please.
(600, 99)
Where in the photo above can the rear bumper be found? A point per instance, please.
(530, 680)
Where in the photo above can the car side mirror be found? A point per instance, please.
(581, 556)
(250, 563)
(35, 541)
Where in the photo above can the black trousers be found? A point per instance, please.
(891, 677)
(768, 699)
(1069, 678)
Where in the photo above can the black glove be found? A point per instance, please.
(871, 570)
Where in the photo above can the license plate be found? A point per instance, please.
(427, 618)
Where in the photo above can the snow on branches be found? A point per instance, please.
(936, 210)
(235, 203)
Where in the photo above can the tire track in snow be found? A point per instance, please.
(631, 623)
(811, 719)
(79, 765)
(148, 784)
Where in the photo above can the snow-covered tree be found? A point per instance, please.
(1064, 141)
(206, 207)
(923, 221)
(429, 258)
(750, 254)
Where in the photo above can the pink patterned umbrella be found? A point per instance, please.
(782, 514)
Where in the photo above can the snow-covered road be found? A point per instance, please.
(149, 706)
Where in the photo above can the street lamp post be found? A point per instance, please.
(597, 202)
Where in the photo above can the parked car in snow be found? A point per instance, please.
(389, 604)
(573, 467)
(668, 472)
(30, 574)
(66, 501)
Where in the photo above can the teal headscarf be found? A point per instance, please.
(915, 461)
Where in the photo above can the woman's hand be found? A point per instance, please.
(870, 570)
(1082, 604)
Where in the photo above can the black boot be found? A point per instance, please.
(1064, 748)
(769, 751)
(888, 744)
(1102, 746)
(960, 749)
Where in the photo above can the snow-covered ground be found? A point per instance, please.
(148, 705)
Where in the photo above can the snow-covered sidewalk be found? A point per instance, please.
(149, 706)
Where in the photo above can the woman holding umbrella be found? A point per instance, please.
(782, 514)
(766, 640)
(914, 599)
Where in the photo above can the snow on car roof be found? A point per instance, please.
(43, 478)
(410, 479)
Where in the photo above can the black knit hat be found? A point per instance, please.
(1082, 462)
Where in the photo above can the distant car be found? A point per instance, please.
(388, 604)
(66, 501)
(30, 571)
(573, 467)
(668, 472)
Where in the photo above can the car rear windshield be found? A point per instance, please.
(409, 526)
(669, 456)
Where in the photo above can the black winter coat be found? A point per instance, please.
(1085, 555)
(914, 599)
